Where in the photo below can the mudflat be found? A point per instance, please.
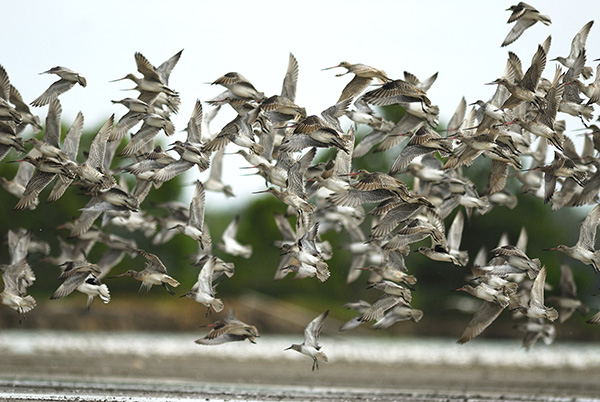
(114, 377)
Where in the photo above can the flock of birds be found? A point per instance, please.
(277, 138)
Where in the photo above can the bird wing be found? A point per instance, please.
(146, 68)
(52, 133)
(196, 218)
(454, 233)
(517, 30)
(313, 330)
(205, 277)
(290, 81)
(482, 319)
(537, 289)
(164, 70)
(57, 88)
(194, 126)
(70, 284)
(18, 243)
(231, 230)
(587, 232)
(71, 141)
(98, 146)
(153, 263)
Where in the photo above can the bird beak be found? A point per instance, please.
(119, 79)
(329, 68)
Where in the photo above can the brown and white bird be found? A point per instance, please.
(68, 78)
(525, 17)
(154, 273)
(363, 75)
(229, 329)
(311, 347)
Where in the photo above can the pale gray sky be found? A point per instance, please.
(459, 39)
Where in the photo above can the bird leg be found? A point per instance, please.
(168, 290)
(315, 364)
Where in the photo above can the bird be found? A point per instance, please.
(195, 227)
(68, 78)
(319, 131)
(525, 17)
(310, 347)
(154, 80)
(238, 85)
(483, 318)
(203, 290)
(363, 75)
(83, 277)
(47, 167)
(229, 329)
(395, 92)
(535, 307)
(584, 250)
(154, 273)
(568, 301)
(230, 245)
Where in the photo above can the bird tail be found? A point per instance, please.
(217, 305)
(103, 293)
(171, 281)
(27, 304)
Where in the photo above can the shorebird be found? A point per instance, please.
(194, 227)
(230, 245)
(525, 16)
(215, 177)
(397, 91)
(308, 255)
(310, 347)
(584, 250)
(568, 301)
(396, 314)
(144, 137)
(154, 273)
(70, 147)
(68, 78)
(238, 85)
(424, 141)
(16, 278)
(319, 131)
(515, 257)
(203, 290)
(482, 319)
(577, 49)
(16, 186)
(83, 277)
(363, 75)
(229, 329)
(18, 275)
(155, 79)
(294, 194)
(239, 131)
(94, 171)
(535, 308)
(47, 167)
(21, 107)
(536, 329)
(377, 310)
